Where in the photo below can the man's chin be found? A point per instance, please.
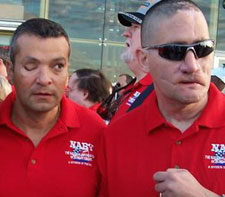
(126, 57)
(192, 98)
(43, 107)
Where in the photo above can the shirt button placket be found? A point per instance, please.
(33, 161)
(178, 142)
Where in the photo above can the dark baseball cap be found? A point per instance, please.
(126, 18)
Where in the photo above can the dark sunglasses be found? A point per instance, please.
(177, 52)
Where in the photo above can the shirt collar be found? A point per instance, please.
(6, 109)
(153, 117)
(95, 107)
(146, 80)
(212, 115)
(68, 113)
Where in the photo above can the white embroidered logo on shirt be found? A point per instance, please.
(81, 153)
(133, 98)
(218, 157)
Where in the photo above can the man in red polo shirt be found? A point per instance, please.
(173, 145)
(48, 144)
(132, 21)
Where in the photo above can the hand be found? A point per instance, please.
(180, 183)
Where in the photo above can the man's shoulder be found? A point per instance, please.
(146, 80)
(82, 114)
(131, 122)
(214, 112)
(6, 107)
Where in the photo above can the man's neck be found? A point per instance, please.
(34, 124)
(180, 115)
(88, 103)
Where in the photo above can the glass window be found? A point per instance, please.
(20, 9)
(85, 55)
(5, 38)
(221, 28)
(210, 9)
(112, 65)
(83, 21)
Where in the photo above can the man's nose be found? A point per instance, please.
(190, 63)
(44, 77)
(126, 33)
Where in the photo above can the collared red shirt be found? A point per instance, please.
(128, 99)
(95, 107)
(143, 142)
(63, 163)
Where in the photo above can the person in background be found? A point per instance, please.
(133, 21)
(218, 77)
(49, 143)
(4, 61)
(123, 80)
(88, 87)
(5, 88)
(173, 145)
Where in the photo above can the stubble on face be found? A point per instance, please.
(127, 56)
(132, 35)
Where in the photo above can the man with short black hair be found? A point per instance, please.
(47, 147)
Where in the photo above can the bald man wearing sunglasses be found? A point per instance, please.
(174, 145)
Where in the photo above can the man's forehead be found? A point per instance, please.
(190, 22)
(27, 36)
(26, 42)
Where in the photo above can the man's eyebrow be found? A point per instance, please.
(59, 59)
(31, 58)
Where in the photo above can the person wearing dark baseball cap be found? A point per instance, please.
(132, 21)
(127, 18)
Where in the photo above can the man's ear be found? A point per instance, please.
(143, 60)
(67, 81)
(85, 94)
(10, 72)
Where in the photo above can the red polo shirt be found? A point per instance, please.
(143, 142)
(95, 107)
(128, 99)
(64, 162)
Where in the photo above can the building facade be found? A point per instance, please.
(94, 30)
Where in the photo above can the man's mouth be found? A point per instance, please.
(43, 94)
(190, 82)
